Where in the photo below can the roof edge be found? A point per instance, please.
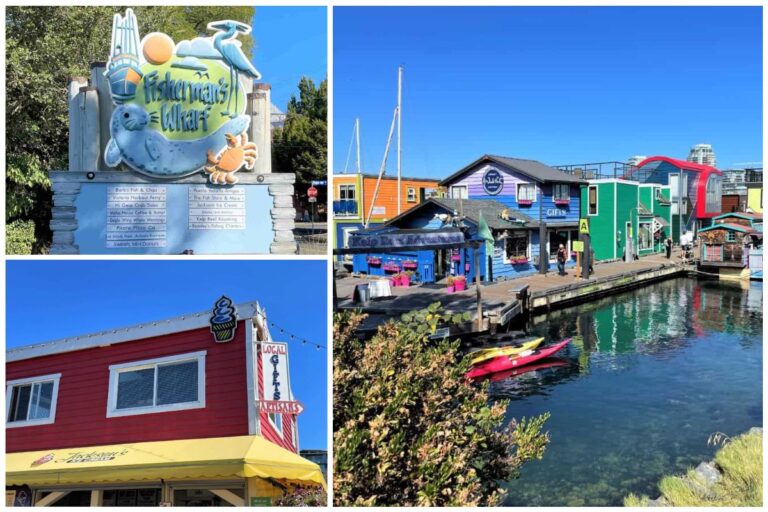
(144, 330)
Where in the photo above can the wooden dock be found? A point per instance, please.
(506, 301)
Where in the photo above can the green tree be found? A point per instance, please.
(301, 146)
(409, 430)
(45, 48)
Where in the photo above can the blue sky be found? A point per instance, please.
(47, 300)
(290, 42)
(559, 85)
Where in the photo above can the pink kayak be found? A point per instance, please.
(501, 363)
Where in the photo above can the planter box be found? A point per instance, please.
(562, 202)
(524, 202)
(374, 261)
(405, 281)
(391, 268)
(459, 285)
(519, 261)
(410, 264)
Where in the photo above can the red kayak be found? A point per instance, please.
(501, 363)
(543, 364)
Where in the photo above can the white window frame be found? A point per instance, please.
(116, 369)
(347, 187)
(55, 377)
(559, 187)
(533, 193)
(411, 195)
(456, 188)
(278, 428)
(597, 201)
(650, 235)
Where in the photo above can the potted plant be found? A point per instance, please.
(460, 283)
(456, 257)
(405, 278)
(450, 284)
(394, 280)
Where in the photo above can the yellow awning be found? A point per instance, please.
(219, 457)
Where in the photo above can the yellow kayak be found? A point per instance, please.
(508, 350)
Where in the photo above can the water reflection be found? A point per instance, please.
(649, 376)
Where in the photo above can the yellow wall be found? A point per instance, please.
(755, 199)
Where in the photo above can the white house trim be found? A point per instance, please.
(122, 335)
(250, 376)
(55, 377)
(116, 369)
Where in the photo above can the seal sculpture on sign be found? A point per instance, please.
(146, 150)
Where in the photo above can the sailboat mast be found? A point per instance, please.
(357, 137)
(399, 121)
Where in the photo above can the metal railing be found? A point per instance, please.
(603, 170)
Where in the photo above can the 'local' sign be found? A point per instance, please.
(180, 108)
(275, 382)
(493, 182)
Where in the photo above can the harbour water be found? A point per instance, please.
(652, 374)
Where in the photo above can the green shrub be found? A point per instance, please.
(303, 497)
(19, 237)
(741, 462)
(409, 430)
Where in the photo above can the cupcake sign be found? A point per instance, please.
(180, 107)
(224, 320)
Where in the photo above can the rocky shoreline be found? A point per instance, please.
(703, 478)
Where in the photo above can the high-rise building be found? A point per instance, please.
(703, 154)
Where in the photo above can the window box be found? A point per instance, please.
(410, 264)
(520, 260)
(524, 202)
(562, 202)
(31, 401)
(164, 384)
(373, 260)
(391, 267)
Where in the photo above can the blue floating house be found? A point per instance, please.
(513, 197)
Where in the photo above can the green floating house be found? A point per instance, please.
(626, 216)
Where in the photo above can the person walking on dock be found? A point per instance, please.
(668, 247)
(561, 260)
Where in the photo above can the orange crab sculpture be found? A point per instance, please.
(238, 153)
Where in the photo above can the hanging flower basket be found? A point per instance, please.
(391, 267)
(374, 260)
(456, 257)
(525, 202)
(410, 264)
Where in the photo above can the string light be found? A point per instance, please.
(292, 336)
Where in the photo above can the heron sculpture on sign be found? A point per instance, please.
(226, 44)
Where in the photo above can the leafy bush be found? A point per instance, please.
(303, 497)
(409, 430)
(19, 237)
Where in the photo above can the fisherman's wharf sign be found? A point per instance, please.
(180, 108)
(170, 151)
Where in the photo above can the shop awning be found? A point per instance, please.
(211, 458)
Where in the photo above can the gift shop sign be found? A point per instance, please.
(179, 106)
(275, 381)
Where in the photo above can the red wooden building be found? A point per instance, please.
(158, 384)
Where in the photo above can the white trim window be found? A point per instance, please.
(163, 384)
(459, 192)
(526, 192)
(347, 192)
(411, 195)
(592, 200)
(561, 192)
(277, 422)
(31, 401)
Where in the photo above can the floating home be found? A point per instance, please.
(168, 413)
(626, 217)
(733, 245)
(353, 196)
(513, 197)
(695, 190)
